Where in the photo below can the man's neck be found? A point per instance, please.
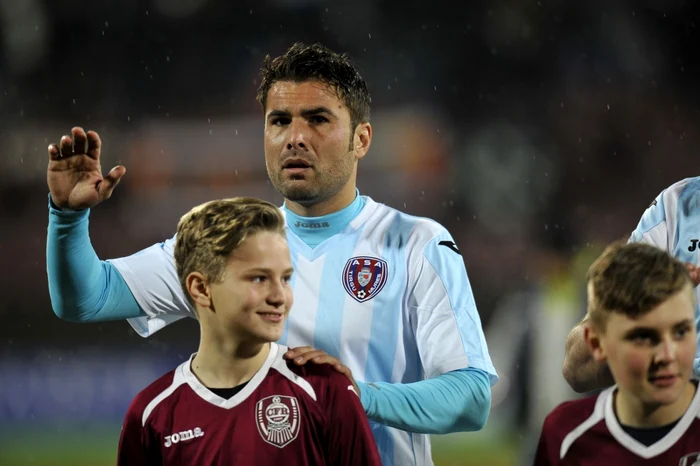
(334, 204)
(220, 364)
(633, 412)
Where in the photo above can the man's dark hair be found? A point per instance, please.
(316, 62)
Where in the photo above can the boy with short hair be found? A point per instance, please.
(237, 401)
(641, 306)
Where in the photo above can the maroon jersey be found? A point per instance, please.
(286, 414)
(586, 432)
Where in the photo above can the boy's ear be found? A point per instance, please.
(199, 290)
(593, 335)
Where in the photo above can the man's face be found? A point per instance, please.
(651, 356)
(311, 151)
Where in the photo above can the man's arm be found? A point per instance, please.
(350, 439)
(83, 288)
(142, 288)
(581, 371)
(450, 339)
(459, 401)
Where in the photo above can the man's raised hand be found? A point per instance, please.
(74, 174)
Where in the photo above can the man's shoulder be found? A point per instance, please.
(683, 191)
(399, 223)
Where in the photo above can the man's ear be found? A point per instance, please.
(362, 139)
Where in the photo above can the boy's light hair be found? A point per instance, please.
(208, 234)
(632, 279)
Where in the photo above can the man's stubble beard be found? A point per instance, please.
(311, 192)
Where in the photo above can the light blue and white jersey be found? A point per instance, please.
(387, 294)
(672, 223)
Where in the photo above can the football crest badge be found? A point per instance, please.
(364, 277)
(278, 419)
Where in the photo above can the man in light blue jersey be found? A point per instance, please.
(384, 292)
(672, 223)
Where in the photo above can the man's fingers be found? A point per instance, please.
(54, 152)
(66, 146)
(79, 141)
(294, 352)
(111, 181)
(325, 359)
(94, 145)
(302, 359)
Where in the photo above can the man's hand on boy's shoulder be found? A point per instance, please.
(303, 354)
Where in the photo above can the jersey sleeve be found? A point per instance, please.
(136, 446)
(653, 227)
(350, 439)
(441, 305)
(152, 278)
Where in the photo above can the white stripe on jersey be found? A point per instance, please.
(306, 288)
(178, 379)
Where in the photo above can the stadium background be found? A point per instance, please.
(536, 131)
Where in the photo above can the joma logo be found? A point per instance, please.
(693, 245)
(183, 436)
(312, 225)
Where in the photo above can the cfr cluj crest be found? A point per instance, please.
(364, 277)
(278, 419)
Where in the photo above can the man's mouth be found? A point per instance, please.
(295, 164)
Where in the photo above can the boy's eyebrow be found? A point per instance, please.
(642, 328)
(267, 270)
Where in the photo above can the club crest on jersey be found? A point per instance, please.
(364, 277)
(278, 419)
